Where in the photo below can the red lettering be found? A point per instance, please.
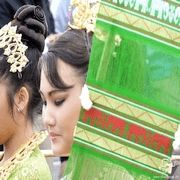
(136, 132)
(104, 121)
(117, 124)
(159, 141)
(92, 114)
(148, 138)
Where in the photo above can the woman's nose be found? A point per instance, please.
(47, 116)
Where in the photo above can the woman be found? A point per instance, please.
(21, 45)
(63, 75)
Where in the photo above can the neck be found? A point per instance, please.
(13, 144)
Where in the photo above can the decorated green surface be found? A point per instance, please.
(134, 83)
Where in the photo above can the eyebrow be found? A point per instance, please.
(55, 91)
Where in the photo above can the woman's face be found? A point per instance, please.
(61, 108)
(7, 122)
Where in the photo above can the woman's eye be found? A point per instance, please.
(59, 102)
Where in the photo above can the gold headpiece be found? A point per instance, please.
(85, 14)
(14, 48)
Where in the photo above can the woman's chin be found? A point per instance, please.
(59, 150)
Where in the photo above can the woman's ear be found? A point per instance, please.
(22, 98)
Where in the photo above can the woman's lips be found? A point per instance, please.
(53, 136)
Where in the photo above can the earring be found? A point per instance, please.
(18, 108)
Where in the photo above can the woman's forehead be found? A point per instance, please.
(66, 72)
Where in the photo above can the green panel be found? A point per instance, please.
(140, 69)
(101, 165)
(134, 80)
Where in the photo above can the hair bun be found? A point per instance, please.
(31, 23)
(39, 14)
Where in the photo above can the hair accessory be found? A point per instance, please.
(85, 99)
(176, 142)
(85, 14)
(13, 47)
(87, 43)
(18, 108)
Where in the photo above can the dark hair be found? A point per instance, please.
(29, 77)
(73, 47)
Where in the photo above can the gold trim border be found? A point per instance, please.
(140, 24)
(135, 112)
(118, 148)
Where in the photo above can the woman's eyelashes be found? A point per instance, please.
(59, 102)
(56, 102)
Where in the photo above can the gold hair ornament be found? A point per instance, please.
(85, 14)
(13, 47)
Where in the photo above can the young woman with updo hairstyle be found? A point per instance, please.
(19, 94)
(63, 74)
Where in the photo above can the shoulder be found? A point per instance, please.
(35, 167)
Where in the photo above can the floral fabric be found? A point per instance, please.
(28, 162)
(35, 168)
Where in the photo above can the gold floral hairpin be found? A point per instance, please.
(13, 48)
(85, 14)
